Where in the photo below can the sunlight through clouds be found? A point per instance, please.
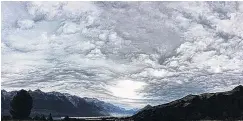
(127, 89)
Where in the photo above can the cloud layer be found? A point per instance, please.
(174, 48)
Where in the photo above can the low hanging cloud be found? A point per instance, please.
(82, 48)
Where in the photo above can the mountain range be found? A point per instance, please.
(208, 106)
(62, 104)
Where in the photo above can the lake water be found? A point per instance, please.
(89, 118)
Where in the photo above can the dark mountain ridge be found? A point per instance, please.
(62, 104)
(208, 106)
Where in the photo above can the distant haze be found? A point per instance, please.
(127, 53)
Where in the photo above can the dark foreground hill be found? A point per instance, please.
(220, 106)
(62, 104)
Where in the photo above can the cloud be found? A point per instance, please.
(175, 48)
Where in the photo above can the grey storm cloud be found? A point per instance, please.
(168, 49)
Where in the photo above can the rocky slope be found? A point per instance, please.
(62, 104)
(222, 105)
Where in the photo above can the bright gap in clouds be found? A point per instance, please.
(127, 89)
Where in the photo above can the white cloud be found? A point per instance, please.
(25, 24)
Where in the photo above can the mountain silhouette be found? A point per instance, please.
(62, 104)
(208, 106)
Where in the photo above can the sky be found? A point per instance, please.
(126, 53)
